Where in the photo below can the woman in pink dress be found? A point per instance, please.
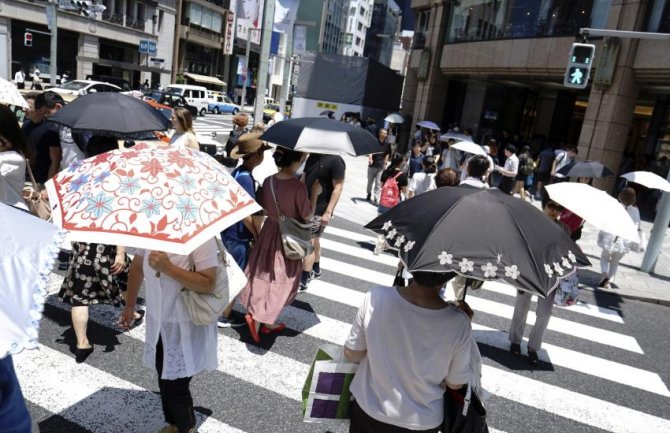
(273, 279)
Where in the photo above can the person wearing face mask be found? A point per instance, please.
(273, 279)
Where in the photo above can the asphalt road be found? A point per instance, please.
(608, 371)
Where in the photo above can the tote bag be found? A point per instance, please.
(205, 308)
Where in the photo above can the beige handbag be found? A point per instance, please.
(37, 205)
(203, 308)
(296, 240)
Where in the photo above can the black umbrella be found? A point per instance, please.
(110, 113)
(585, 169)
(326, 113)
(481, 234)
(321, 135)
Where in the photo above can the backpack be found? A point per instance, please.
(230, 144)
(390, 194)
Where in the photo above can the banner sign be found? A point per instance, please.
(229, 39)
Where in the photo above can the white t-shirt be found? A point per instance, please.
(187, 348)
(410, 351)
(184, 140)
(12, 178)
(562, 159)
(422, 182)
(20, 77)
(512, 164)
(71, 152)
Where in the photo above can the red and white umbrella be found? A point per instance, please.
(150, 196)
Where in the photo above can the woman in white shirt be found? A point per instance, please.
(182, 122)
(176, 347)
(423, 181)
(13, 153)
(614, 247)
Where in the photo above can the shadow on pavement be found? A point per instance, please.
(513, 362)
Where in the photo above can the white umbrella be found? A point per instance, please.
(595, 206)
(469, 147)
(394, 118)
(648, 179)
(454, 136)
(429, 125)
(10, 95)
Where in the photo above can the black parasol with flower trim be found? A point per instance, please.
(481, 234)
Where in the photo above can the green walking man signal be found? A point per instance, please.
(579, 66)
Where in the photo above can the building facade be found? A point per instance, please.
(492, 65)
(358, 21)
(324, 25)
(103, 46)
(383, 31)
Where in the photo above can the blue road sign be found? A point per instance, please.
(152, 48)
(144, 46)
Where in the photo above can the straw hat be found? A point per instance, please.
(247, 144)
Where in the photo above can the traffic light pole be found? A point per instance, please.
(662, 219)
(264, 61)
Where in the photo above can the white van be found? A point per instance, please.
(194, 95)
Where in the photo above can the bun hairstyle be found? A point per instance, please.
(429, 165)
(397, 159)
(285, 157)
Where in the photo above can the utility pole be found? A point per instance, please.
(246, 69)
(288, 70)
(266, 40)
(52, 21)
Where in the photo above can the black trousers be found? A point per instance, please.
(175, 396)
(361, 422)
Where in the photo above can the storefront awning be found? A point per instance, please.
(204, 79)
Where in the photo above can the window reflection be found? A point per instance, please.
(477, 20)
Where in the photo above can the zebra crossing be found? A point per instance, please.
(220, 124)
(595, 377)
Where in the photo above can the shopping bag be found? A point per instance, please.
(325, 395)
(567, 291)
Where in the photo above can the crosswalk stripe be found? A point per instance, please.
(235, 358)
(580, 307)
(348, 234)
(285, 376)
(556, 324)
(577, 361)
(358, 252)
(361, 273)
(588, 410)
(98, 398)
(492, 286)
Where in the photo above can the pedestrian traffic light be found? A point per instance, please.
(28, 39)
(579, 66)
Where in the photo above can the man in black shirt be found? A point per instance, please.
(376, 164)
(328, 171)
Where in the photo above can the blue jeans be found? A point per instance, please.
(14, 417)
(239, 249)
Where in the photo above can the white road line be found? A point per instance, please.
(354, 236)
(358, 252)
(245, 362)
(571, 405)
(359, 272)
(580, 307)
(556, 324)
(235, 358)
(573, 360)
(563, 326)
(93, 398)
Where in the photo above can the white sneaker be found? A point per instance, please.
(379, 245)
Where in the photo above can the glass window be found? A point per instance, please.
(196, 14)
(507, 19)
(206, 21)
(659, 17)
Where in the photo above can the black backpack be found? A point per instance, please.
(235, 135)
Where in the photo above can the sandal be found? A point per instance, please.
(251, 323)
(276, 330)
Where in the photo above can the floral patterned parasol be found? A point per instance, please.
(149, 196)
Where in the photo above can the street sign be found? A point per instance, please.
(152, 50)
(229, 39)
(144, 46)
(579, 66)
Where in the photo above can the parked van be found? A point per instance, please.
(194, 95)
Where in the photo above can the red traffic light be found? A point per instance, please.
(28, 39)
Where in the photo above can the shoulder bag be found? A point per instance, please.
(296, 239)
(463, 413)
(205, 308)
(37, 205)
